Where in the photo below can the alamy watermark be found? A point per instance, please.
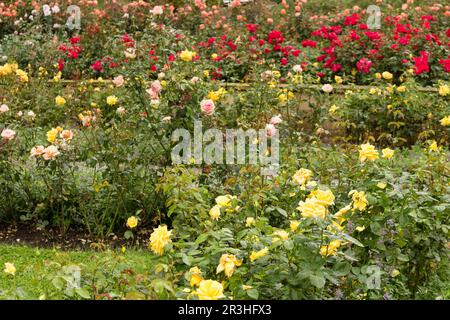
(232, 146)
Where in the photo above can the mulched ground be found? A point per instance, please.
(32, 235)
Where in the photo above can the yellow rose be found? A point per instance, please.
(445, 121)
(196, 276)
(52, 134)
(387, 75)
(249, 222)
(324, 197)
(338, 79)
(330, 249)
(294, 225)
(258, 254)
(209, 290)
(444, 90)
(159, 238)
(359, 200)
(187, 55)
(111, 100)
(302, 176)
(387, 153)
(227, 263)
(215, 212)
(401, 89)
(60, 101)
(9, 268)
(367, 152)
(224, 201)
(311, 208)
(280, 235)
(132, 222)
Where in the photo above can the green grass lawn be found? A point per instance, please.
(40, 272)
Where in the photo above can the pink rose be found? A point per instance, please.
(8, 134)
(327, 88)
(275, 120)
(118, 81)
(270, 130)
(3, 108)
(207, 106)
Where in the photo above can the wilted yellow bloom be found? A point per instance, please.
(294, 225)
(187, 55)
(9, 268)
(52, 134)
(227, 263)
(381, 185)
(444, 90)
(111, 100)
(360, 229)
(302, 176)
(60, 101)
(258, 254)
(311, 208)
(359, 200)
(335, 227)
(367, 152)
(159, 238)
(433, 146)
(132, 222)
(215, 212)
(330, 249)
(324, 197)
(387, 153)
(249, 221)
(225, 201)
(340, 214)
(445, 121)
(209, 290)
(333, 109)
(280, 234)
(395, 273)
(387, 75)
(23, 76)
(401, 89)
(196, 276)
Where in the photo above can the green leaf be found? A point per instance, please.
(186, 259)
(83, 293)
(128, 234)
(253, 293)
(317, 281)
(202, 238)
(353, 240)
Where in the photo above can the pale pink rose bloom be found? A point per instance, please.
(118, 81)
(356, 8)
(19, 114)
(4, 108)
(67, 135)
(283, 12)
(156, 86)
(327, 88)
(195, 79)
(167, 119)
(157, 10)
(275, 120)
(8, 134)
(270, 130)
(31, 114)
(207, 106)
(298, 8)
(297, 68)
(120, 110)
(269, 20)
(50, 153)
(404, 6)
(235, 3)
(37, 151)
